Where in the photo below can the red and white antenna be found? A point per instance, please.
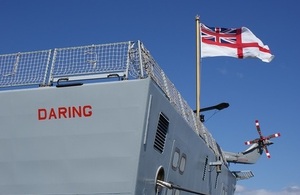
(262, 141)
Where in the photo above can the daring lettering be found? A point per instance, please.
(65, 112)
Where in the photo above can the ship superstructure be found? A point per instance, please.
(103, 119)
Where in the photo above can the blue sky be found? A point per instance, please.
(268, 92)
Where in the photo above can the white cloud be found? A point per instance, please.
(291, 190)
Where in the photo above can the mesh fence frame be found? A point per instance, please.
(90, 60)
(26, 68)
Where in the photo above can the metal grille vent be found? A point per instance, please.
(161, 133)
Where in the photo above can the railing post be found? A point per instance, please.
(140, 59)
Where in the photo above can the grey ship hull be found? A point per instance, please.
(109, 152)
(126, 130)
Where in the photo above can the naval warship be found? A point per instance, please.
(106, 119)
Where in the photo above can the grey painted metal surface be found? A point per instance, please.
(92, 152)
(112, 136)
(48, 148)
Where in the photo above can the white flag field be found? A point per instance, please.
(233, 42)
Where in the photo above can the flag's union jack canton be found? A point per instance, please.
(234, 42)
(220, 35)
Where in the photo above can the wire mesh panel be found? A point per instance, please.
(152, 69)
(90, 60)
(24, 68)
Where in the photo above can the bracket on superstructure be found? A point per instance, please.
(218, 165)
(240, 175)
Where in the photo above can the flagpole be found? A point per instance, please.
(197, 19)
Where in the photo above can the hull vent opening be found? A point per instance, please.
(161, 133)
